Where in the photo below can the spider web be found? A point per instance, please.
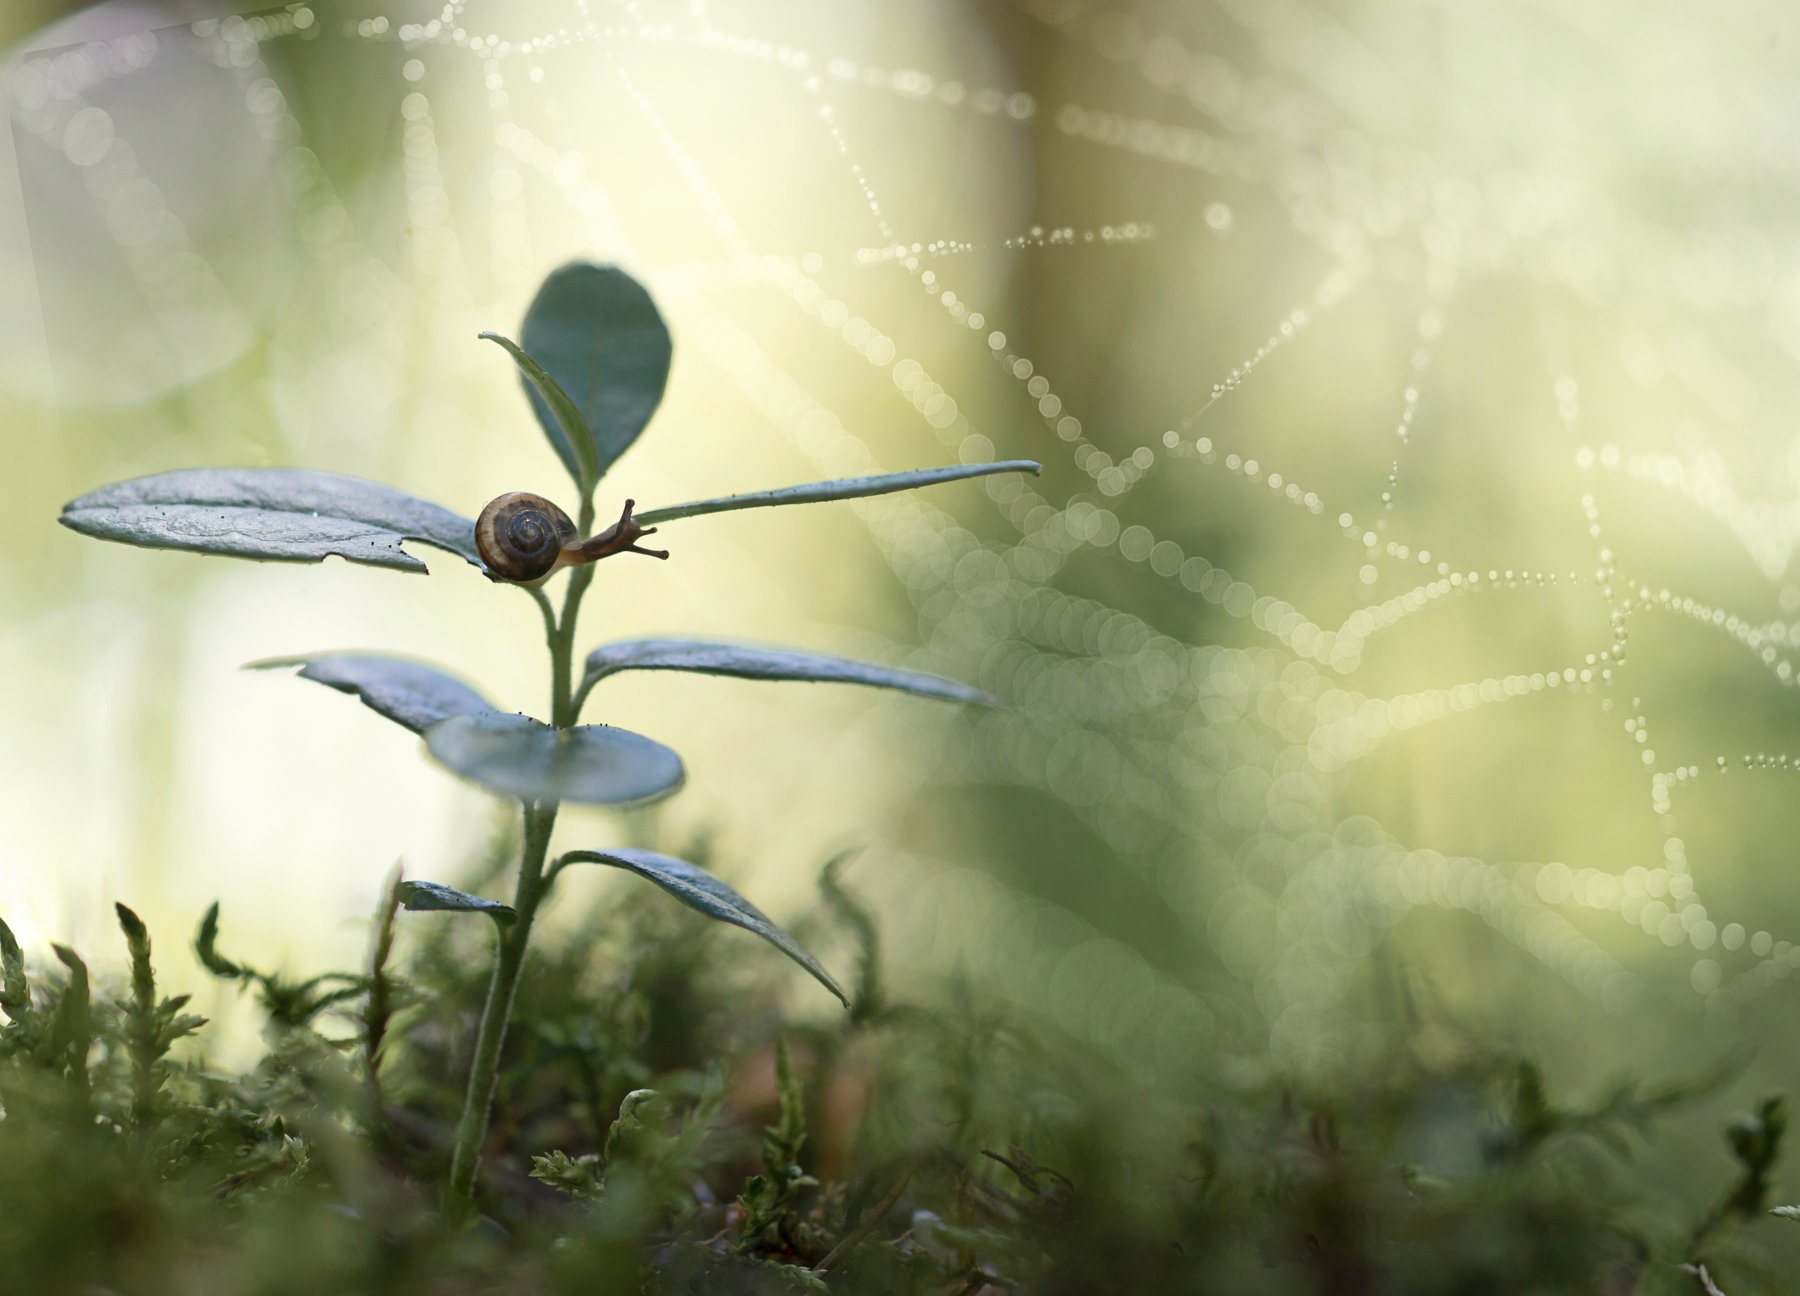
(1419, 509)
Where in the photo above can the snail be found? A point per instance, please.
(523, 538)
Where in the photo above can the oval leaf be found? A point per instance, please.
(698, 889)
(282, 514)
(409, 693)
(597, 334)
(842, 488)
(753, 661)
(521, 757)
(423, 896)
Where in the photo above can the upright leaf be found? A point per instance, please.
(15, 990)
(281, 514)
(842, 488)
(408, 692)
(521, 757)
(72, 1028)
(698, 889)
(426, 896)
(754, 661)
(137, 942)
(597, 334)
(150, 1027)
(562, 408)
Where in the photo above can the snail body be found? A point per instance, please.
(524, 538)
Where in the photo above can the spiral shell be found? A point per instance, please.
(521, 537)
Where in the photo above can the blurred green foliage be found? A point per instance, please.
(660, 1128)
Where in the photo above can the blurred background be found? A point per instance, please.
(1404, 613)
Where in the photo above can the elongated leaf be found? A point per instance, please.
(562, 409)
(283, 514)
(596, 332)
(72, 1027)
(15, 991)
(698, 889)
(408, 692)
(206, 945)
(420, 896)
(521, 757)
(842, 488)
(753, 661)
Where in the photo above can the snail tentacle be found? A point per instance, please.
(621, 537)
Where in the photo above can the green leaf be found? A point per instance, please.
(408, 692)
(137, 941)
(521, 757)
(72, 1028)
(577, 1177)
(422, 896)
(753, 661)
(783, 1140)
(206, 948)
(843, 488)
(643, 1120)
(597, 334)
(283, 514)
(568, 419)
(15, 990)
(698, 889)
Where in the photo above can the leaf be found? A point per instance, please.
(521, 757)
(1787, 1212)
(15, 990)
(597, 334)
(753, 661)
(206, 947)
(408, 692)
(698, 889)
(284, 514)
(137, 941)
(842, 488)
(71, 1029)
(783, 1141)
(568, 419)
(422, 896)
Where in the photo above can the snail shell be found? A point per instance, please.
(521, 537)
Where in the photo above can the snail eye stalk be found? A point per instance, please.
(621, 537)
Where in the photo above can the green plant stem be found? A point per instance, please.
(562, 651)
(514, 937)
(503, 988)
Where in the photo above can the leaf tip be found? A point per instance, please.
(128, 919)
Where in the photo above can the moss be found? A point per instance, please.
(661, 1128)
